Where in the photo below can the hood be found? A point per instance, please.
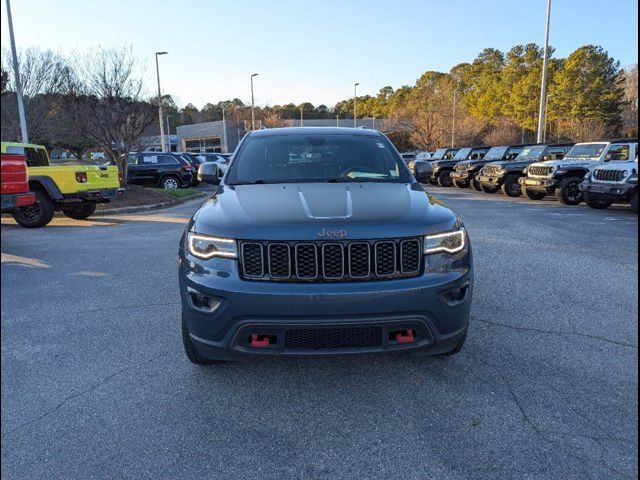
(315, 211)
(513, 164)
(567, 163)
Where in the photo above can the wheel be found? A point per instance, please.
(634, 202)
(190, 349)
(476, 185)
(533, 195)
(79, 211)
(457, 348)
(460, 184)
(37, 215)
(433, 182)
(511, 187)
(444, 179)
(169, 183)
(596, 203)
(568, 193)
(488, 189)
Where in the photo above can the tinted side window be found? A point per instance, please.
(167, 160)
(556, 153)
(619, 152)
(36, 157)
(513, 152)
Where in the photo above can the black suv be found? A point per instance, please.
(163, 169)
(442, 168)
(504, 174)
(464, 174)
(424, 168)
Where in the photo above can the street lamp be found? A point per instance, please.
(355, 97)
(16, 74)
(169, 132)
(301, 117)
(543, 88)
(253, 115)
(337, 120)
(546, 109)
(160, 115)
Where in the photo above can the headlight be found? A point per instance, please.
(526, 171)
(450, 242)
(587, 176)
(204, 246)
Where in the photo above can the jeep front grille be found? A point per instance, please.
(461, 167)
(331, 261)
(538, 171)
(492, 169)
(602, 175)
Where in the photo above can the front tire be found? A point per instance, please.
(190, 349)
(568, 193)
(511, 187)
(596, 203)
(473, 183)
(487, 189)
(37, 215)
(460, 184)
(444, 179)
(79, 211)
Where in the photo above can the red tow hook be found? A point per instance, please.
(406, 337)
(256, 341)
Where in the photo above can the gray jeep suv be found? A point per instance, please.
(318, 241)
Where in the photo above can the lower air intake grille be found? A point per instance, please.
(335, 338)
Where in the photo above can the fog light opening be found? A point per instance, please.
(456, 295)
(202, 302)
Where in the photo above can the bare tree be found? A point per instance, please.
(44, 76)
(107, 103)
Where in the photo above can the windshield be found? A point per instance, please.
(462, 154)
(496, 153)
(531, 153)
(304, 158)
(586, 150)
(439, 154)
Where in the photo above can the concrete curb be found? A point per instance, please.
(146, 208)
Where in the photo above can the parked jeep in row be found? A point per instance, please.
(504, 175)
(613, 183)
(441, 173)
(424, 168)
(464, 174)
(562, 178)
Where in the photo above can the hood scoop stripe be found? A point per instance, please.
(309, 214)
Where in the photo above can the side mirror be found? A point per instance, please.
(608, 157)
(208, 172)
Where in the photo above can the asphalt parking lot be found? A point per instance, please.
(95, 383)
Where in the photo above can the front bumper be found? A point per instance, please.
(12, 201)
(422, 304)
(463, 176)
(532, 183)
(614, 193)
(493, 180)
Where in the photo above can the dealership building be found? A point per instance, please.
(221, 137)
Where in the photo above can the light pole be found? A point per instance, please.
(453, 121)
(337, 120)
(374, 123)
(301, 117)
(169, 133)
(16, 74)
(546, 107)
(160, 115)
(543, 88)
(224, 131)
(355, 99)
(253, 115)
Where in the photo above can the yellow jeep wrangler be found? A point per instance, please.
(74, 189)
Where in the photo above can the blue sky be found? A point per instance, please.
(314, 50)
